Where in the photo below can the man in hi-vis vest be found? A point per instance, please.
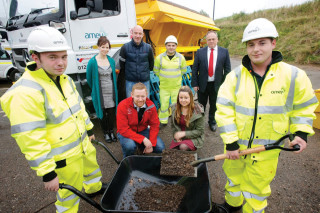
(49, 121)
(259, 102)
(169, 66)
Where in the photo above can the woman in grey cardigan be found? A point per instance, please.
(187, 122)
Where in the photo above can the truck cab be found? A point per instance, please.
(81, 22)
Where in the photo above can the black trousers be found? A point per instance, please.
(108, 120)
(203, 99)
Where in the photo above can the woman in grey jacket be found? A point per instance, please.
(188, 122)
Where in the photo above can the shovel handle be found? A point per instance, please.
(197, 162)
(242, 152)
(224, 156)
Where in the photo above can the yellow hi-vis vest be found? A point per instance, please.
(47, 126)
(286, 102)
(170, 71)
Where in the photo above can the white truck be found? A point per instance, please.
(81, 22)
(7, 70)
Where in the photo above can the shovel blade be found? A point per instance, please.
(178, 163)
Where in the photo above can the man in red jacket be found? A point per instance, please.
(134, 115)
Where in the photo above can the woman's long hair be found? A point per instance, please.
(178, 112)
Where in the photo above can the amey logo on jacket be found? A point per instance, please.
(278, 91)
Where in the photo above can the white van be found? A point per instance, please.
(7, 70)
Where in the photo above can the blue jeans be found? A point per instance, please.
(129, 146)
(129, 85)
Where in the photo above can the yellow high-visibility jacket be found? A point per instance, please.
(170, 71)
(286, 102)
(47, 125)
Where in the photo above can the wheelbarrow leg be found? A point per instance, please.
(81, 195)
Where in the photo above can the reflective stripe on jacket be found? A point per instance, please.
(170, 71)
(286, 102)
(47, 126)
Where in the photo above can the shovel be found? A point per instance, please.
(275, 145)
(177, 171)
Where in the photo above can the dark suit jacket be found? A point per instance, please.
(200, 68)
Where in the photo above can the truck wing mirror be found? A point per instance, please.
(81, 12)
(3, 34)
(58, 25)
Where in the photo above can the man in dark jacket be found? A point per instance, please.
(136, 61)
(210, 67)
(134, 115)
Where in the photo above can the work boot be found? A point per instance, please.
(107, 137)
(100, 192)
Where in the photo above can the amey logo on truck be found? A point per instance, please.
(94, 35)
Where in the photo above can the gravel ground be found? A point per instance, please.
(295, 188)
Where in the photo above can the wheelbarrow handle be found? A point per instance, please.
(81, 195)
(107, 149)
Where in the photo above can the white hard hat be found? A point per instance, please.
(171, 38)
(46, 39)
(259, 28)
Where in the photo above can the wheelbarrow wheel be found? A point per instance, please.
(218, 208)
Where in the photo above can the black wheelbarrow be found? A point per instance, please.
(118, 195)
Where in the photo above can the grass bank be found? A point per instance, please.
(298, 28)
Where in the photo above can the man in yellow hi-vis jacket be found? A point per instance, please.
(49, 121)
(169, 66)
(259, 102)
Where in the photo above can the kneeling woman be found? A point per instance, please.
(188, 122)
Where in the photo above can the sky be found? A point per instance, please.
(225, 8)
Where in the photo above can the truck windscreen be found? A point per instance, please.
(28, 13)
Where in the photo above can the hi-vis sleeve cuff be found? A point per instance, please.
(49, 177)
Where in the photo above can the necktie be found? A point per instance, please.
(210, 69)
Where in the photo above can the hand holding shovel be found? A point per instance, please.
(275, 145)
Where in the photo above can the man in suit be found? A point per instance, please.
(210, 67)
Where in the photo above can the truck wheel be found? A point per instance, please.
(14, 75)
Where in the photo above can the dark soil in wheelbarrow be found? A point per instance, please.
(163, 198)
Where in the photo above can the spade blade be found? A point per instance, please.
(178, 163)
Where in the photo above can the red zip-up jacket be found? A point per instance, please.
(128, 125)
